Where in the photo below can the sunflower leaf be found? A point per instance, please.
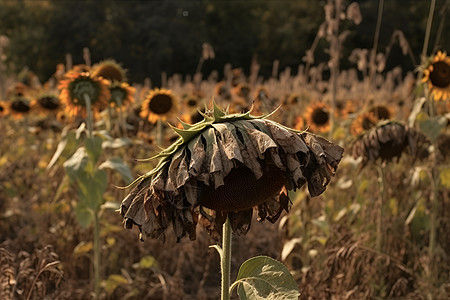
(83, 214)
(262, 277)
(119, 166)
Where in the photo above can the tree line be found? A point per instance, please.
(150, 37)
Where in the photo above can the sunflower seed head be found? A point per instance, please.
(228, 165)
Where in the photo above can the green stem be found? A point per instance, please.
(96, 255)
(225, 260)
(89, 120)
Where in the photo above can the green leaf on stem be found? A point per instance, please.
(91, 188)
(117, 164)
(262, 277)
(83, 214)
(76, 163)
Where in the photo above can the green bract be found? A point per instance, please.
(226, 165)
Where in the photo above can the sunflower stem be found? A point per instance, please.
(225, 260)
(89, 120)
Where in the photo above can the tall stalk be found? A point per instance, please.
(89, 121)
(225, 260)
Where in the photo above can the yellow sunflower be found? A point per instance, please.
(109, 69)
(318, 117)
(19, 107)
(363, 122)
(3, 109)
(121, 94)
(299, 123)
(159, 104)
(77, 86)
(437, 75)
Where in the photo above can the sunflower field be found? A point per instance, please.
(325, 182)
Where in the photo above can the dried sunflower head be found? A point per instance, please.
(437, 76)
(227, 165)
(386, 141)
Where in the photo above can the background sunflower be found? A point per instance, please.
(76, 86)
(318, 117)
(160, 104)
(437, 76)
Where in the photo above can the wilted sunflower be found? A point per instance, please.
(318, 117)
(386, 141)
(227, 165)
(363, 122)
(122, 94)
(47, 104)
(19, 107)
(78, 85)
(159, 104)
(109, 69)
(437, 75)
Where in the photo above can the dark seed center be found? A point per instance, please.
(381, 112)
(192, 103)
(160, 104)
(440, 76)
(50, 103)
(20, 106)
(320, 116)
(242, 190)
